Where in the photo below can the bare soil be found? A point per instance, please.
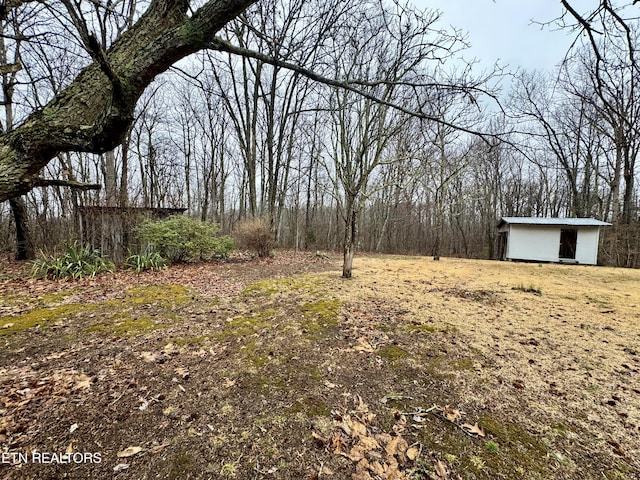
(280, 369)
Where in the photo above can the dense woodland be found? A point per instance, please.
(345, 123)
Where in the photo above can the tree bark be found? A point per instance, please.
(350, 236)
(24, 243)
(94, 112)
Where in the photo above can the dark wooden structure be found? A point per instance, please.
(109, 229)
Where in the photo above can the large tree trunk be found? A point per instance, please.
(95, 111)
(24, 242)
(629, 181)
(350, 236)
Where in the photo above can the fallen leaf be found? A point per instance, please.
(400, 425)
(391, 470)
(144, 405)
(73, 428)
(369, 443)
(383, 438)
(363, 345)
(82, 382)
(158, 448)
(129, 452)
(362, 407)
(169, 349)
(392, 447)
(337, 442)
(377, 469)
(441, 470)
(120, 467)
(362, 470)
(451, 414)
(412, 453)
(358, 428)
(473, 429)
(363, 475)
(149, 357)
(327, 471)
(357, 453)
(183, 372)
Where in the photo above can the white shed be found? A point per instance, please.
(570, 240)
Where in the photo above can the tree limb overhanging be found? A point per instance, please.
(354, 86)
(90, 115)
(53, 182)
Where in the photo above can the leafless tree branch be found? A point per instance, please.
(349, 85)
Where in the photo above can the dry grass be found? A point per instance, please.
(554, 348)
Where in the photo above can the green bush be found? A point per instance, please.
(145, 261)
(76, 262)
(183, 239)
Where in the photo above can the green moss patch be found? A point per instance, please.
(392, 353)
(310, 407)
(162, 295)
(245, 325)
(519, 450)
(122, 320)
(55, 297)
(254, 354)
(40, 317)
(127, 327)
(321, 315)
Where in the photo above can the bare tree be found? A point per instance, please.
(610, 65)
(95, 111)
(388, 51)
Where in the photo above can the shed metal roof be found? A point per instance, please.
(574, 222)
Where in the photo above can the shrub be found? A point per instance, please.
(255, 235)
(183, 239)
(76, 262)
(145, 261)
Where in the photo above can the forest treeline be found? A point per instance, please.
(346, 124)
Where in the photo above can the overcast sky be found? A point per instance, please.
(502, 30)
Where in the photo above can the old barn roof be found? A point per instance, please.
(546, 221)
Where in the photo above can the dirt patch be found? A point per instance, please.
(280, 369)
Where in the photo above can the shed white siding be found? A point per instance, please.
(533, 243)
(587, 245)
(547, 239)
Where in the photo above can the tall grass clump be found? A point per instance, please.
(76, 262)
(145, 261)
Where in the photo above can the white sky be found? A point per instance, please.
(502, 30)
